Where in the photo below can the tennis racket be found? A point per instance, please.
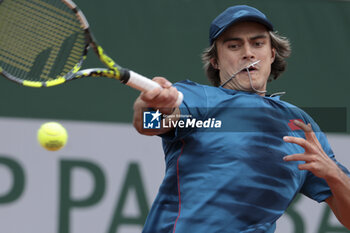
(43, 43)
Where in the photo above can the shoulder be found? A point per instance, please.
(193, 91)
(304, 115)
(201, 89)
(289, 107)
(193, 86)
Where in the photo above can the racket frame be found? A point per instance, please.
(114, 71)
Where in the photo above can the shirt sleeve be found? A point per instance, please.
(314, 187)
(194, 105)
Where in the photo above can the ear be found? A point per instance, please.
(273, 55)
(214, 63)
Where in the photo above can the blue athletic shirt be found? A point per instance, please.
(232, 179)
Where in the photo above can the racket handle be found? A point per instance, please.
(142, 83)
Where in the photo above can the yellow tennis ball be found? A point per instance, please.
(52, 136)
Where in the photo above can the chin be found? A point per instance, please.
(248, 87)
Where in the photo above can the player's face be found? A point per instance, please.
(240, 45)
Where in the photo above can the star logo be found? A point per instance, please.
(155, 115)
(152, 119)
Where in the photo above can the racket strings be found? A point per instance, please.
(39, 40)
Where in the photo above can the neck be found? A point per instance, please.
(237, 87)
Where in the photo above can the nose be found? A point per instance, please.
(248, 54)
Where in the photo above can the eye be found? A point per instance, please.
(233, 46)
(259, 43)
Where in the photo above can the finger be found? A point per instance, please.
(173, 95)
(306, 166)
(306, 128)
(163, 82)
(294, 157)
(299, 141)
(163, 97)
(171, 102)
(302, 125)
(300, 157)
(149, 96)
(309, 147)
(309, 133)
(315, 139)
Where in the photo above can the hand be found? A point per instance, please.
(316, 160)
(162, 99)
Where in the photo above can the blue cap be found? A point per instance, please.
(234, 14)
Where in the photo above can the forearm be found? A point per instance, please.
(339, 184)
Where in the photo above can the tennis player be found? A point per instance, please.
(243, 176)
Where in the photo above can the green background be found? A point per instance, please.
(166, 38)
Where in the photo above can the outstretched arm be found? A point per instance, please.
(318, 162)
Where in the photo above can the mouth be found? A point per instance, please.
(251, 67)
